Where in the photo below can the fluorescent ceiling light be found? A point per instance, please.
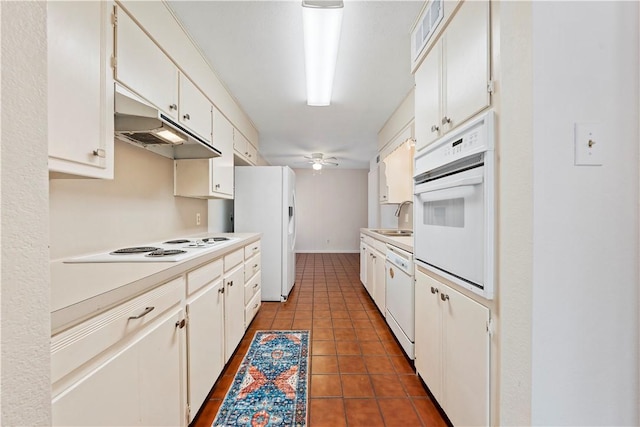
(321, 21)
(317, 166)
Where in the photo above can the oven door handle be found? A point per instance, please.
(459, 192)
(443, 185)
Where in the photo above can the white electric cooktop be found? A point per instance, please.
(172, 250)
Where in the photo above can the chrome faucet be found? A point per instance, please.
(406, 202)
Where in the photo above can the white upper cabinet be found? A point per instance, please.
(466, 55)
(222, 167)
(144, 68)
(194, 109)
(396, 171)
(428, 97)
(452, 83)
(209, 178)
(246, 153)
(80, 88)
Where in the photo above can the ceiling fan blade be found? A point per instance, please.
(330, 158)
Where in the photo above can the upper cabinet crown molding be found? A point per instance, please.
(80, 89)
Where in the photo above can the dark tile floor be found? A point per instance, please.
(359, 375)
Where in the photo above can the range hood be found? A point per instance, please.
(139, 123)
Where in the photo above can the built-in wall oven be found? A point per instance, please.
(454, 212)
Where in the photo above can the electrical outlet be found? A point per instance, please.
(198, 218)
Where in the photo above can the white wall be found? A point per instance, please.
(137, 206)
(25, 396)
(585, 260)
(220, 215)
(332, 207)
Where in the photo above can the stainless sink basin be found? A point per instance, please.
(395, 233)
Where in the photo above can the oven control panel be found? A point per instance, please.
(472, 138)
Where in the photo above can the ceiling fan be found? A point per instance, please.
(318, 160)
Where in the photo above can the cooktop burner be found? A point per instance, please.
(165, 252)
(215, 239)
(134, 250)
(177, 241)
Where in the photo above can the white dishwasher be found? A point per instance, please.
(400, 297)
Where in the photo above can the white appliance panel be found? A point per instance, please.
(263, 195)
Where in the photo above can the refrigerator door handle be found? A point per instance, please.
(295, 228)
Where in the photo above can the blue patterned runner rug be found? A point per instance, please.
(270, 387)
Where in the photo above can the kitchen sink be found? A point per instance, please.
(395, 233)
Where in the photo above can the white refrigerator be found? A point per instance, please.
(265, 202)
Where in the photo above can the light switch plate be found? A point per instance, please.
(589, 145)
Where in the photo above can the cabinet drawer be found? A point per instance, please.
(367, 239)
(251, 267)
(200, 277)
(380, 246)
(252, 287)
(251, 309)
(252, 249)
(233, 259)
(73, 347)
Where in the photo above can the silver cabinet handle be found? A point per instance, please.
(100, 153)
(255, 286)
(181, 323)
(255, 265)
(221, 290)
(446, 120)
(217, 185)
(231, 283)
(173, 107)
(186, 117)
(255, 306)
(434, 290)
(444, 297)
(146, 311)
(435, 128)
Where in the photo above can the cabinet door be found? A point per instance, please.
(205, 332)
(144, 68)
(466, 53)
(251, 153)
(363, 263)
(398, 167)
(383, 189)
(80, 89)
(142, 384)
(380, 276)
(222, 167)
(194, 108)
(428, 338)
(428, 98)
(233, 310)
(465, 359)
(370, 272)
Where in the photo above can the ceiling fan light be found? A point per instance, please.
(317, 166)
(321, 28)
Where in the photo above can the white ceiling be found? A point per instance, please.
(256, 48)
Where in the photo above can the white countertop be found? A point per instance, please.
(79, 291)
(404, 242)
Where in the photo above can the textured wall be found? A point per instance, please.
(515, 206)
(585, 260)
(332, 207)
(137, 206)
(25, 395)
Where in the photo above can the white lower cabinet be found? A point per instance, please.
(205, 344)
(379, 280)
(138, 384)
(233, 309)
(372, 269)
(452, 346)
(252, 282)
